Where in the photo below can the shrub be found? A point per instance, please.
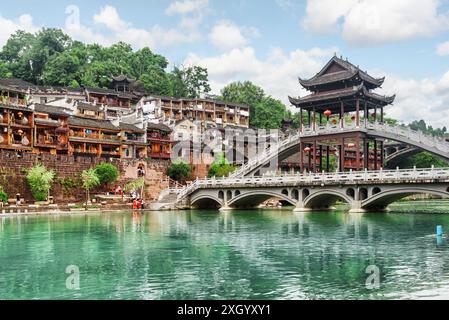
(40, 181)
(107, 173)
(68, 184)
(3, 195)
(221, 167)
(90, 180)
(179, 170)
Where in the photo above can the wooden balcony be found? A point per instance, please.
(13, 101)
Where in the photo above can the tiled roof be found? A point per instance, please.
(349, 71)
(41, 108)
(92, 123)
(130, 127)
(158, 126)
(336, 94)
(88, 106)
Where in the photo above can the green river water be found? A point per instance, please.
(261, 254)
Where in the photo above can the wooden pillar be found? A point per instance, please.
(382, 154)
(357, 162)
(328, 153)
(314, 155)
(358, 113)
(314, 119)
(301, 158)
(300, 119)
(342, 115)
(366, 114)
(375, 155)
(321, 158)
(382, 114)
(310, 118)
(310, 158)
(342, 155)
(365, 154)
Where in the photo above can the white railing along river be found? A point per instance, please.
(380, 176)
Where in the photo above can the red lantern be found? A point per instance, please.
(353, 117)
(373, 115)
(327, 113)
(307, 150)
(334, 121)
(351, 145)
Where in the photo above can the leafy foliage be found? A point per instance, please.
(179, 171)
(68, 184)
(3, 195)
(221, 167)
(265, 112)
(89, 180)
(40, 181)
(107, 173)
(135, 185)
(423, 160)
(50, 57)
(422, 126)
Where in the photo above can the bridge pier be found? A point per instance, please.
(356, 207)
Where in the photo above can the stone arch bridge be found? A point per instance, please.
(363, 191)
(415, 140)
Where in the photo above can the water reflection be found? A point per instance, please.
(236, 255)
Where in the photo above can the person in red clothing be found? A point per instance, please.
(139, 204)
(134, 204)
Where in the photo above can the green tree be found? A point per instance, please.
(107, 173)
(179, 171)
(221, 167)
(3, 195)
(89, 180)
(265, 112)
(27, 54)
(40, 181)
(136, 185)
(269, 113)
(189, 82)
(423, 160)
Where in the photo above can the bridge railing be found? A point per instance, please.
(406, 132)
(381, 176)
(326, 178)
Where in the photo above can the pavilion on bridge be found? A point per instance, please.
(341, 96)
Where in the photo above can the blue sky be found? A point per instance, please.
(272, 42)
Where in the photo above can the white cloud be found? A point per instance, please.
(8, 27)
(109, 17)
(365, 22)
(417, 99)
(155, 37)
(443, 49)
(226, 35)
(186, 6)
(277, 74)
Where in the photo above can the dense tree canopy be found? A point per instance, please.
(50, 57)
(265, 112)
(221, 167)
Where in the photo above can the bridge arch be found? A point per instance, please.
(325, 199)
(382, 200)
(256, 198)
(206, 202)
